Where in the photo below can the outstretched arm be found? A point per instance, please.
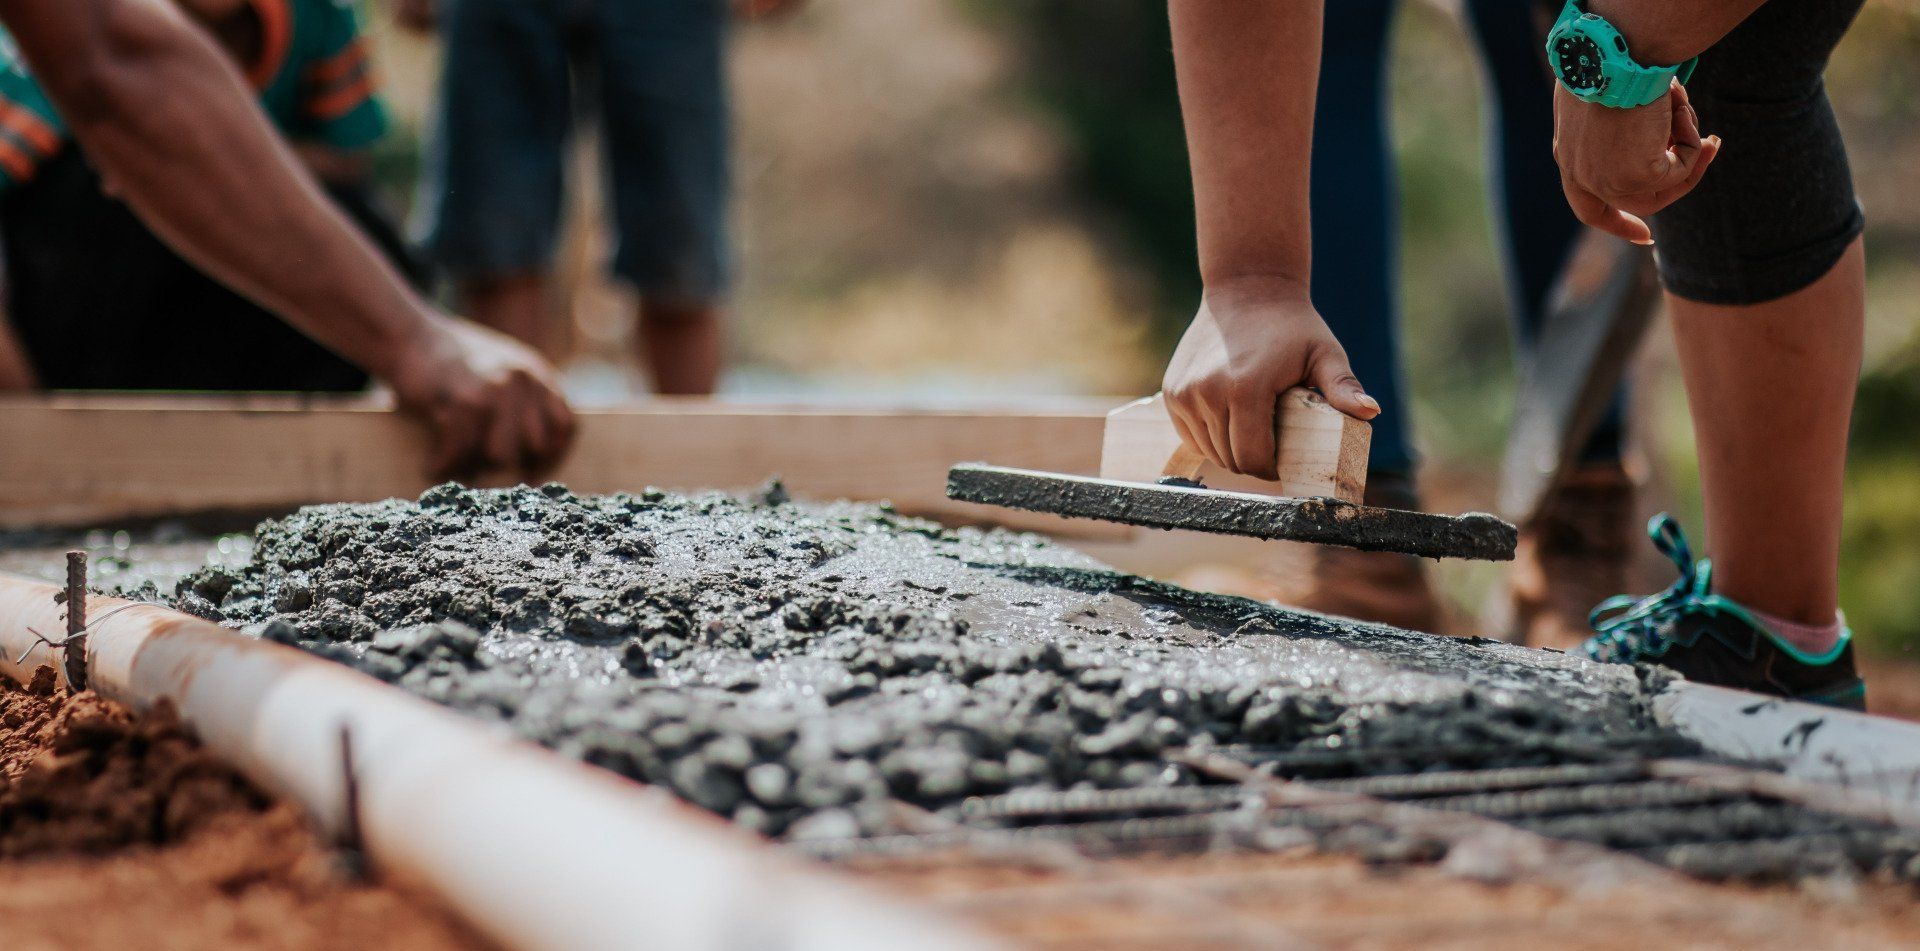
(174, 132)
(1248, 73)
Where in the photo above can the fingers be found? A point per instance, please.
(499, 430)
(1330, 373)
(1686, 122)
(1198, 425)
(547, 423)
(1176, 411)
(1709, 149)
(1620, 166)
(457, 436)
(1212, 414)
(561, 426)
(506, 441)
(1250, 434)
(530, 429)
(1592, 211)
(1683, 164)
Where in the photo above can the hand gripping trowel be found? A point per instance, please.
(1149, 477)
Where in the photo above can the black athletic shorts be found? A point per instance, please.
(100, 303)
(1777, 208)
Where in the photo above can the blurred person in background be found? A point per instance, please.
(99, 302)
(169, 123)
(1762, 263)
(1577, 551)
(514, 76)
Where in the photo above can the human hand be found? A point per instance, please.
(765, 9)
(420, 16)
(1619, 165)
(489, 399)
(1252, 340)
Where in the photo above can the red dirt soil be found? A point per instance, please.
(1332, 901)
(119, 831)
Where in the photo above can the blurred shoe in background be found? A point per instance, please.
(1576, 553)
(1382, 587)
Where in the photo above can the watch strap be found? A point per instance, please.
(1628, 83)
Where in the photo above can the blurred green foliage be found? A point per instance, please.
(1880, 555)
(1103, 70)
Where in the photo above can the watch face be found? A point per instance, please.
(1579, 58)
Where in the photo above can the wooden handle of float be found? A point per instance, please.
(1319, 450)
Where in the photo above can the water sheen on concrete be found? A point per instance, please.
(797, 667)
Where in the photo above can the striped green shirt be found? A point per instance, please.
(313, 74)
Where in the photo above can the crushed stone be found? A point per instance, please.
(805, 668)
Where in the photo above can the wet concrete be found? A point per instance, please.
(806, 668)
(1320, 521)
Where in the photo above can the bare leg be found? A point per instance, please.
(516, 304)
(1771, 389)
(681, 344)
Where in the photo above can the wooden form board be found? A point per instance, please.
(77, 460)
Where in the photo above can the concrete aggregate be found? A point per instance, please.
(805, 668)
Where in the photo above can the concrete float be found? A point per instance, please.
(536, 851)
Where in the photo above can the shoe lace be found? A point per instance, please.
(1626, 628)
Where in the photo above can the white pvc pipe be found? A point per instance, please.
(536, 851)
(1864, 753)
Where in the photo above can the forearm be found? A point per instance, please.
(174, 132)
(1247, 74)
(1666, 32)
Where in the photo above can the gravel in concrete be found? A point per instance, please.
(799, 667)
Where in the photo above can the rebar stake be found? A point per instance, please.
(352, 841)
(74, 648)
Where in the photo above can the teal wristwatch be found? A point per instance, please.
(1590, 59)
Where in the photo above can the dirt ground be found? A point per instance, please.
(1893, 687)
(1329, 901)
(119, 832)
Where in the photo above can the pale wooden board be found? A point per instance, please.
(1322, 451)
(1600, 311)
(72, 460)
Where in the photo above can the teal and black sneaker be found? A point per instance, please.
(1713, 640)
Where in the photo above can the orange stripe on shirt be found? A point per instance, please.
(276, 36)
(32, 129)
(340, 64)
(19, 167)
(338, 103)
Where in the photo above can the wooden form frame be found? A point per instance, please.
(97, 459)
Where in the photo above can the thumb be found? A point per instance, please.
(1333, 377)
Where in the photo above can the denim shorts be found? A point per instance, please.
(1777, 209)
(519, 74)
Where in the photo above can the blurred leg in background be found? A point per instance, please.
(491, 192)
(661, 77)
(1578, 550)
(1356, 266)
